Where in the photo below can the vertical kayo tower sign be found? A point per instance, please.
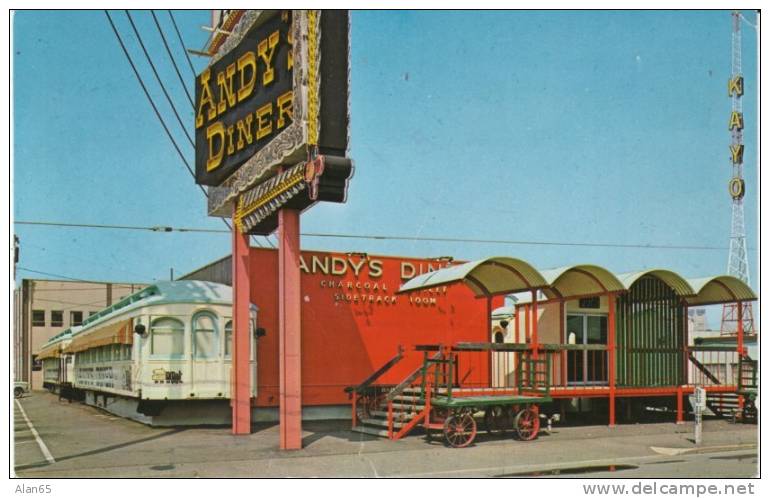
(271, 136)
(737, 318)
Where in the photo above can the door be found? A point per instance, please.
(587, 366)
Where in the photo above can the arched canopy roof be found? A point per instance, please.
(485, 277)
(677, 283)
(719, 289)
(580, 280)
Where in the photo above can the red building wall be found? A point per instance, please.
(353, 322)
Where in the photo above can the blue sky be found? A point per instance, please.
(606, 127)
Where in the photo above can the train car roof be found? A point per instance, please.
(171, 292)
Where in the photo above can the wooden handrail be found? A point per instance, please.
(703, 369)
(379, 373)
(508, 346)
(408, 381)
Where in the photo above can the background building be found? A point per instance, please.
(43, 308)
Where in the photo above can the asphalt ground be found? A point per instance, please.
(83, 441)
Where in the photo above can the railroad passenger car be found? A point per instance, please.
(57, 365)
(166, 346)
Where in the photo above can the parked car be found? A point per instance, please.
(19, 388)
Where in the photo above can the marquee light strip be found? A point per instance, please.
(263, 200)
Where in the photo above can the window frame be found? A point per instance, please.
(227, 352)
(151, 338)
(37, 323)
(60, 322)
(72, 318)
(215, 331)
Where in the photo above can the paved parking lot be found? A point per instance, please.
(86, 442)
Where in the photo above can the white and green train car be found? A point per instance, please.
(57, 365)
(162, 355)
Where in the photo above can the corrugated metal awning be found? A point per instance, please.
(677, 283)
(580, 280)
(116, 333)
(719, 289)
(485, 277)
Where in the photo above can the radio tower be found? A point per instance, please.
(738, 262)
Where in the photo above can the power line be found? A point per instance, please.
(173, 61)
(155, 108)
(64, 276)
(123, 227)
(160, 81)
(393, 237)
(149, 98)
(181, 42)
(514, 242)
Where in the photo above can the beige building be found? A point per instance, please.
(43, 308)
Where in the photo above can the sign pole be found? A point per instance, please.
(290, 337)
(700, 405)
(240, 375)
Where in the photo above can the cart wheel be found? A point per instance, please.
(497, 419)
(460, 430)
(18, 392)
(365, 404)
(527, 423)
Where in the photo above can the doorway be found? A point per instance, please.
(587, 366)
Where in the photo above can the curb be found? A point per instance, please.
(703, 449)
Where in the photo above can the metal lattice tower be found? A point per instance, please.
(738, 262)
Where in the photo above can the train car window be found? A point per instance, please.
(205, 335)
(167, 337)
(228, 338)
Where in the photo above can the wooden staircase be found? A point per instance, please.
(738, 404)
(394, 411)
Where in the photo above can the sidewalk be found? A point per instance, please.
(86, 442)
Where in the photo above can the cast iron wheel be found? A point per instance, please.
(497, 419)
(365, 405)
(749, 410)
(460, 430)
(527, 423)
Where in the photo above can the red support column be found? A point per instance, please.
(527, 316)
(740, 328)
(517, 310)
(241, 377)
(611, 353)
(491, 339)
(563, 340)
(534, 343)
(289, 330)
(686, 346)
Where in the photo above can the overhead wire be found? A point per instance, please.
(170, 55)
(155, 108)
(181, 42)
(165, 92)
(159, 80)
(394, 237)
(30, 270)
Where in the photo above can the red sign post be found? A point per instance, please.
(271, 137)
